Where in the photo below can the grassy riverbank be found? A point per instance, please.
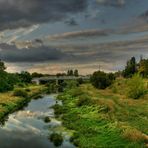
(104, 118)
(10, 103)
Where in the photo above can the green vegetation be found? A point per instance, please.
(102, 118)
(111, 111)
(14, 100)
(136, 87)
(131, 68)
(20, 93)
(58, 110)
(101, 79)
(56, 138)
(47, 119)
(143, 68)
(8, 80)
(73, 72)
(83, 100)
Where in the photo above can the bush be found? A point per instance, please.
(27, 90)
(58, 110)
(5, 82)
(20, 93)
(80, 81)
(51, 88)
(102, 80)
(47, 120)
(136, 87)
(83, 100)
(72, 84)
(74, 139)
(76, 92)
(56, 138)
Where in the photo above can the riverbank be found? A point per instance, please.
(103, 118)
(10, 103)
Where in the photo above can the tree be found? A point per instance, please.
(76, 73)
(101, 80)
(131, 68)
(70, 72)
(36, 75)
(2, 66)
(143, 68)
(7, 81)
(25, 77)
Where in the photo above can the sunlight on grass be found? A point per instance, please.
(110, 119)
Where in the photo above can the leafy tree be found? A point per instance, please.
(7, 82)
(76, 73)
(131, 68)
(101, 80)
(25, 77)
(70, 72)
(36, 75)
(60, 74)
(2, 66)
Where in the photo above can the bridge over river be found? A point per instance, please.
(57, 78)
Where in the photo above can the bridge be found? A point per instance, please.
(57, 78)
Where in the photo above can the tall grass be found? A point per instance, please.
(136, 87)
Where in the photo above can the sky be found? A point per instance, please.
(52, 36)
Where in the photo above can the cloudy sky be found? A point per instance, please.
(52, 36)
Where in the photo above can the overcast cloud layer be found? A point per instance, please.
(22, 13)
(52, 36)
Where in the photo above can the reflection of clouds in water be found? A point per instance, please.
(27, 128)
(16, 125)
(33, 114)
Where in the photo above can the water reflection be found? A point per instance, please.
(27, 128)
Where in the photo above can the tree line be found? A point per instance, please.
(133, 67)
(102, 80)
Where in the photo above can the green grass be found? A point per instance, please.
(110, 120)
(10, 103)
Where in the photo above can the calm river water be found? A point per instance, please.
(27, 129)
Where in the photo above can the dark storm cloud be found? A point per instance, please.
(114, 3)
(22, 13)
(11, 53)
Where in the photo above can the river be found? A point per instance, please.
(26, 128)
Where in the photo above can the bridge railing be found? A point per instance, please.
(60, 78)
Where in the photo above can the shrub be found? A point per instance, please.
(58, 109)
(47, 120)
(5, 82)
(20, 93)
(51, 88)
(56, 138)
(114, 89)
(102, 80)
(76, 92)
(27, 90)
(74, 139)
(80, 81)
(21, 84)
(72, 84)
(83, 100)
(136, 87)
